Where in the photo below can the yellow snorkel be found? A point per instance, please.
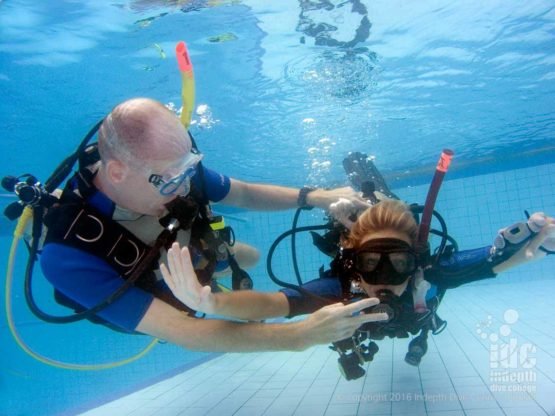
(187, 83)
(185, 66)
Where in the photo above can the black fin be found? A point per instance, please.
(361, 171)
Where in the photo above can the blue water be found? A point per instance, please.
(284, 92)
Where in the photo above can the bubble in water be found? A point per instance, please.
(206, 119)
(202, 109)
(336, 73)
(312, 150)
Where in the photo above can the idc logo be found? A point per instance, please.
(511, 362)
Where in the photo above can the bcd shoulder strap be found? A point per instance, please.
(85, 228)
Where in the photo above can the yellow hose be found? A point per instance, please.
(18, 233)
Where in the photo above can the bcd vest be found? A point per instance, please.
(123, 239)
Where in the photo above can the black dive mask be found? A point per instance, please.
(384, 261)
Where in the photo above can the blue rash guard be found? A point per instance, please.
(88, 279)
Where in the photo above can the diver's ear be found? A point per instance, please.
(117, 171)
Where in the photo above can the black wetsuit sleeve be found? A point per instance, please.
(460, 268)
(326, 289)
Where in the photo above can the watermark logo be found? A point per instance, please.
(512, 363)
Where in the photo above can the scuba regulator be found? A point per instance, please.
(29, 190)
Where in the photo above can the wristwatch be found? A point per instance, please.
(301, 199)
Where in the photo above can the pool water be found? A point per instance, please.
(284, 92)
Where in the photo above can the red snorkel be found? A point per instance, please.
(420, 285)
(426, 220)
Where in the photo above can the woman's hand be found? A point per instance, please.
(338, 321)
(544, 241)
(529, 241)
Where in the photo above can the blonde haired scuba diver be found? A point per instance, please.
(378, 260)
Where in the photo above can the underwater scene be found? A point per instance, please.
(445, 106)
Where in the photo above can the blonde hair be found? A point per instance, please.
(389, 214)
(141, 129)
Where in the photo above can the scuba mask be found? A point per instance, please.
(180, 180)
(383, 261)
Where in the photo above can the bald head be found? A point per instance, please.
(142, 130)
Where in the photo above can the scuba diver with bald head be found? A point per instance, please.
(140, 189)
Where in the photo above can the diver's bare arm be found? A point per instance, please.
(331, 323)
(180, 277)
(251, 305)
(273, 197)
(260, 196)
